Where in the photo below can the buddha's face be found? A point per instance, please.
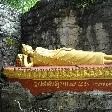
(19, 60)
(27, 49)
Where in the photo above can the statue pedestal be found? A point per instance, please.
(62, 78)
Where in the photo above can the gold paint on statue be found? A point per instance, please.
(60, 57)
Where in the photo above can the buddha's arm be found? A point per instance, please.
(26, 64)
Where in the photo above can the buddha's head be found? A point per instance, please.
(24, 60)
(27, 49)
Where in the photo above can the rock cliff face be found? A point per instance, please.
(17, 99)
(9, 35)
(98, 30)
(57, 23)
(54, 24)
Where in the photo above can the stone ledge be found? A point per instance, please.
(80, 72)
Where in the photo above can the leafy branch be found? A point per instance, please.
(20, 5)
(25, 5)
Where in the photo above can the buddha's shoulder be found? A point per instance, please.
(66, 49)
(42, 51)
(39, 48)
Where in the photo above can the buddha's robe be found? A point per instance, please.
(66, 56)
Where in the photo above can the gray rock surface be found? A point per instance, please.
(54, 24)
(10, 35)
(15, 98)
(57, 23)
(95, 101)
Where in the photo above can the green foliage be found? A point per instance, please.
(20, 5)
(25, 5)
(10, 41)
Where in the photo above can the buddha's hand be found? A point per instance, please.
(24, 60)
(26, 63)
(27, 50)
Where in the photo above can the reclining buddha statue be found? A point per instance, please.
(60, 57)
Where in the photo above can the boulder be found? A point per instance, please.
(10, 35)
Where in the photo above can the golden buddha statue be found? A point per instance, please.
(60, 57)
